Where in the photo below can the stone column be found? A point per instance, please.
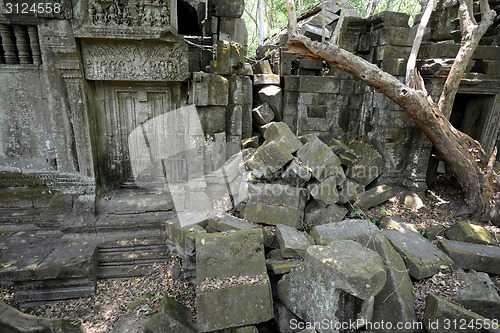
(8, 45)
(35, 44)
(22, 44)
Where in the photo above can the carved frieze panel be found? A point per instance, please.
(129, 19)
(135, 61)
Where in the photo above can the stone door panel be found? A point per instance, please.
(134, 134)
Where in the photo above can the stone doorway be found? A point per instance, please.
(476, 114)
(130, 124)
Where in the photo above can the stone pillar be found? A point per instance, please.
(8, 45)
(35, 45)
(22, 44)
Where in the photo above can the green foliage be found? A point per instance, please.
(276, 17)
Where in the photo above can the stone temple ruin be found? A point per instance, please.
(125, 121)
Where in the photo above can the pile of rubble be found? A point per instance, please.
(295, 262)
(293, 258)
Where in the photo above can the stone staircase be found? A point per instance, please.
(47, 265)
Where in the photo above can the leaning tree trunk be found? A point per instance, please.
(465, 156)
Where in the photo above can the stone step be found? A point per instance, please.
(47, 266)
(127, 202)
(130, 257)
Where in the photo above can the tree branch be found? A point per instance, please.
(412, 60)
(471, 35)
(292, 18)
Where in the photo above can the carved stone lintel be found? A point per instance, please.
(135, 61)
(23, 47)
(128, 19)
(8, 45)
(35, 45)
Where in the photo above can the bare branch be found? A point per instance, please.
(467, 21)
(412, 60)
(292, 18)
(470, 41)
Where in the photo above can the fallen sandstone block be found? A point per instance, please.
(324, 192)
(394, 303)
(347, 229)
(316, 214)
(369, 165)
(293, 243)
(422, 258)
(470, 233)
(482, 258)
(374, 197)
(296, 174)
(479, 295)
(443, 316)
(342, 273)
(281, 131)
(273, 215)
(320, 159)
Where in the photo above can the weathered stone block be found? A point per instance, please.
(348, 229)
(439, 312)
(209, 89)
(479, 295)
(228, 8)
(319, 158)
(369, 166)
(470, 233)
(263, 114)
(235, 254)
(262, 67)
(233, 30)
(268, 161)
(313, 291)
(274, 215)
(483, 258)
(296, 174)
(173, 317)
(224, 222)
(316, 214)
(12, 320)
(176, 234)
(229, 58)
(274, 97)
(375, 196)
(349, 191)
(422, 258)
(394, 303)
(280, 131)
(277, 195)
(265, 79)
(283, 317)
(319, 84)
(239, 305)
(293, 243)
(252, 142)
(325, 192)
(347, 156)
(236, 93)
(234, 117)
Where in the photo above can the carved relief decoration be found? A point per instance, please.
(127, 19)
(135, 61)
(154, 13)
